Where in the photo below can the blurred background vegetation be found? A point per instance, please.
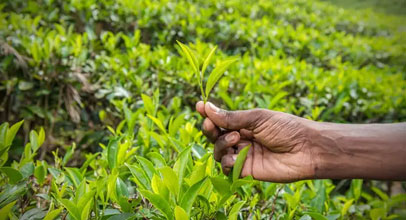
(73, 67)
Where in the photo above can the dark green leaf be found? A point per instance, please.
(190, 196)
(13, 175)
(159, 202)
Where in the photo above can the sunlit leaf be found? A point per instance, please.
(180, 213)
(207, 60)
(235, 210)
(216, 74)
(170, 179)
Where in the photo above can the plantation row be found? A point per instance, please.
(110, 130)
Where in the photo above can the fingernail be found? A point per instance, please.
(234, 157)
(213, 107)
(231, 137)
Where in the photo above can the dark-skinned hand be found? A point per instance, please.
(279, 142)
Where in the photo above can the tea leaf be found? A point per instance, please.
(148, 105)
(157, 159)
(235, 210)
(180, 164)
(12, 131)
(53, 214)
(158, 123)
(180, 214)
(216, 74)
(170, 179)
(240, 182)
(112, 150)
(147, 166)
(41, 136)
(346, 206)
(190, 195)
(239, 162)
(121, 188)
(6, 210)
(140, 176)
(72, 209)
(160, 203)
(40, 173)
(221, 185)
(3, 135)
(191, 57)
(316, 216)
(34, 141)
(356, 186)
(207, 61)
(13, 175)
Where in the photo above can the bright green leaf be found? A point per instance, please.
(180, 213)
(235, 210)
(6, 210)
(239, 162)
(207, 61)
(53, 214)
(216, 74)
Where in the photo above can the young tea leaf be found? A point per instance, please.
(239, 162)
(216, 74)
(191, 57)
(207, 61)
(190, 196)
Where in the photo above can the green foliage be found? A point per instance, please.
(110, 130)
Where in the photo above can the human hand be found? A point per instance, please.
(279, 152)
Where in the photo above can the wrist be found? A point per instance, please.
(330, 155)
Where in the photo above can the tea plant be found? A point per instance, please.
(214, 76)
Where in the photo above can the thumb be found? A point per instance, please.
(233, 120)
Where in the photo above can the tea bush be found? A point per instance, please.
(110, 130)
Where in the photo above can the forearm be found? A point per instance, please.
(371, 151)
